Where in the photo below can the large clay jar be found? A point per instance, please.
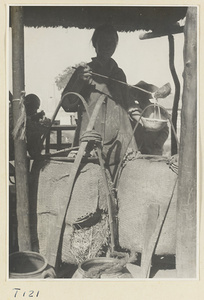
(29, 265)
(101, 267)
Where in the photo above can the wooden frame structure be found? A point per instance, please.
(186, 257)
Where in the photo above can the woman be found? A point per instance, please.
(112, 121)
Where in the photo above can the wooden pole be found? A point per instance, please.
(162, 32)
(21, 163)
(186, 206)
(177, 93)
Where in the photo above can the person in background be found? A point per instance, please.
(113, 121)
(32, 104)
(148, 142)
(36, 125)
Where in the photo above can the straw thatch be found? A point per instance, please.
(124, 18)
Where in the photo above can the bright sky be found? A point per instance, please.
(48, 51)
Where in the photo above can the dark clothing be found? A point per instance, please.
(112, 121)
(150, 142)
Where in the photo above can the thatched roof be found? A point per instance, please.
(124, 18)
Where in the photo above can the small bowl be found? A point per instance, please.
(154, 118)
(153, 124)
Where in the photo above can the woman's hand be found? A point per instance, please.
(85, 73)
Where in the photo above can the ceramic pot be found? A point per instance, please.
(29, 264)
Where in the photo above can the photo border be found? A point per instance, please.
(91, 289)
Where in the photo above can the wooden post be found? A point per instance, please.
(47, 144)
(21, 164)
(177, 93)
(186, 207)
(59, 139)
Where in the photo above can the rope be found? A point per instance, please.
(173, 163)
(91, 135)
(94, 136)
(19, 130)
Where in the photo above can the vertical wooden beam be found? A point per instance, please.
(47, 144)
(177, 93)
(186, 207)
(21, 164)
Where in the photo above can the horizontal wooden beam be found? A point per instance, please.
(63, 127)
(156, 34)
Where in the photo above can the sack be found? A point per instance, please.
(146, 181)
(48, 185)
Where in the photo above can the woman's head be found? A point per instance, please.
(105, 40)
